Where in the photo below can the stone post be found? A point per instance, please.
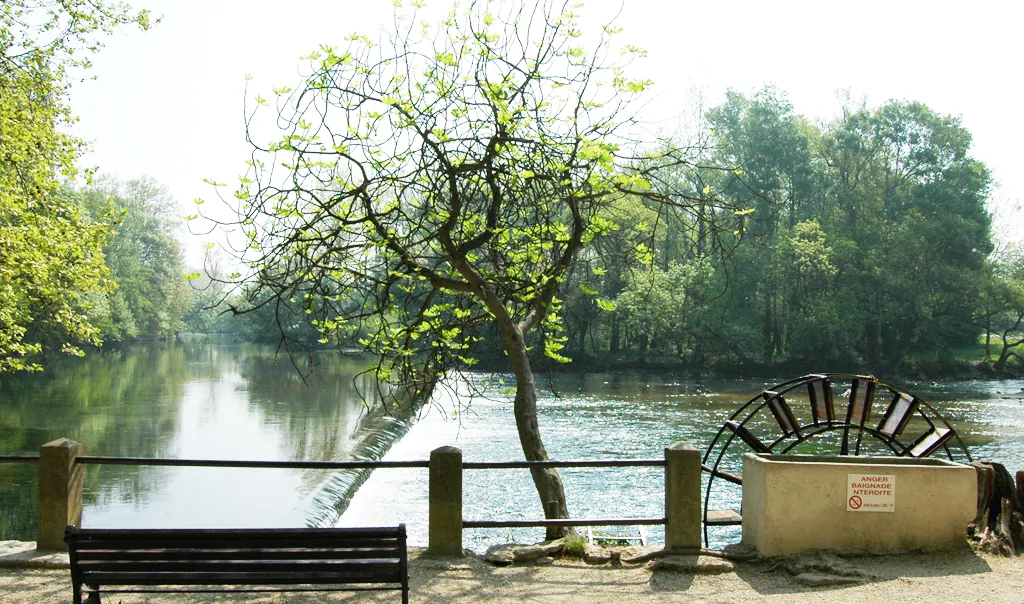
(60, 492)
(445, 502)
(682, 496)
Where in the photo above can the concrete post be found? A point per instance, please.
(445, 502)
(682, 496)
(60, 492)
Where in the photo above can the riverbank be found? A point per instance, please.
(908, 370)
(962, 575)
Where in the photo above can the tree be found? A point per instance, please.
(50, 259)
(1002, 305)
(440, 182)
(144, 258)
(770, 144)
(910, 202)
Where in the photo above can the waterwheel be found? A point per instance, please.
(823, 414)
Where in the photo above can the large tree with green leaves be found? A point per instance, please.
(441, 181)
(50, 259)
(907, 209)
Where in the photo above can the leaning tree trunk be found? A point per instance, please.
(999, 524)
(546, 480)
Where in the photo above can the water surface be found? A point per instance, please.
(198, 400)
(210, 400)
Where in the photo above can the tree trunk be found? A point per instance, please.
(988, 336)
(546, 480)
(700, 235)
(999, 523)
(766, 329)
(1003, 357)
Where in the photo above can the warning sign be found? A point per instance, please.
(871, 493)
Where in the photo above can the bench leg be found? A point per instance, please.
(94, 597)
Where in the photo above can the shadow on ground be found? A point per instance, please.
(771, 577)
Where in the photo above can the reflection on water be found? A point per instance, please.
(196, 399)
(205, 399)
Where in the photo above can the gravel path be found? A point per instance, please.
(960, 576)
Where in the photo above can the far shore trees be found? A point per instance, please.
(442, 182)
(144, 258)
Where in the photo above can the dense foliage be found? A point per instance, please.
(145, 260)
(51, 263)
(868, 240)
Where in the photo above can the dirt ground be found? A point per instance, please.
(960, 576)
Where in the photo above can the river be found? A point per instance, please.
(216, 400)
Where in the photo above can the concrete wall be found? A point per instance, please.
(793, 503)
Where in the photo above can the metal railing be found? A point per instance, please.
(241, 463)
(60, 466)
(375, 465)
(558, 523)
(19, 459)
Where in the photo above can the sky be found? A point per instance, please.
(168, 103)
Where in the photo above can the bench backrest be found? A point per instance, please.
(237, 556)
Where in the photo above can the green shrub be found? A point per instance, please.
(574, 546)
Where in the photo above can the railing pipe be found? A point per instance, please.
(580, 463)
(561, 522)
(240, 463)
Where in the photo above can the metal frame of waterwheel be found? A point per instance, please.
(768, 423)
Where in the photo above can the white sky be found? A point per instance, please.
(168, 102)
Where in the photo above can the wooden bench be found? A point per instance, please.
(257, 560)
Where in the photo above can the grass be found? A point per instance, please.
(970, 353)
(575, 547)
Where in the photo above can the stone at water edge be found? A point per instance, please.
(532, 552)
(501, 555)
(596, 554)
(507, 553)
(698, 565)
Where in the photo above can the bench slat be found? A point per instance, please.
(265, 542)
(229, 566)
(240, 554)
(237, 578)
(309, 533)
